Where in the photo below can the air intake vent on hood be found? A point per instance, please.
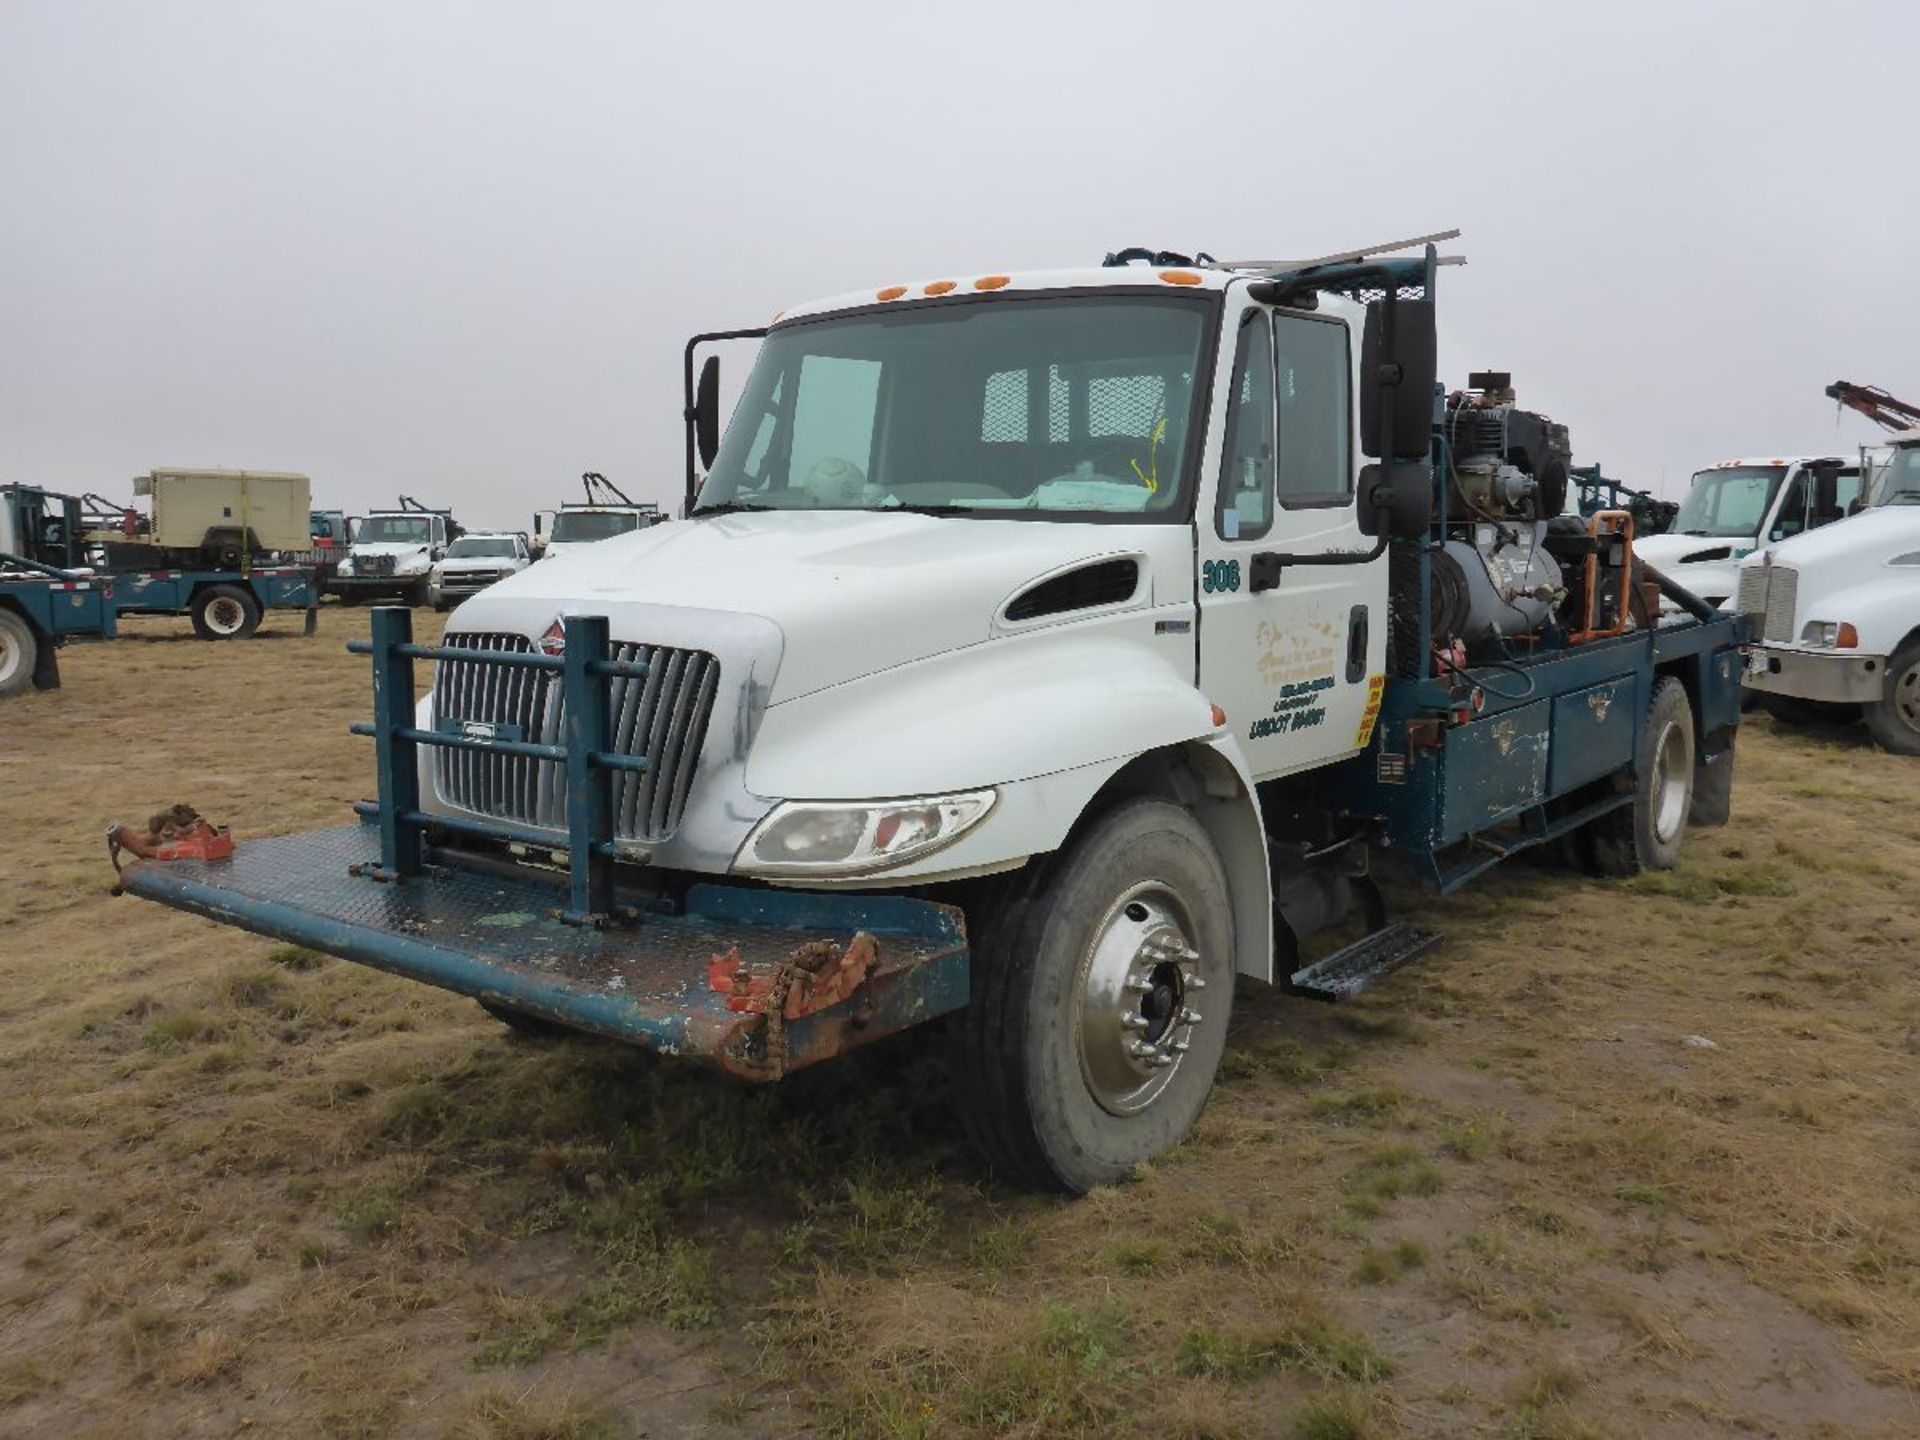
(1107, 583)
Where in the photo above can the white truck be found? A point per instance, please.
(1735, 507)
(605, 513)
(475, 561)
(1838, 613)
(393, 554)
(1041, 653)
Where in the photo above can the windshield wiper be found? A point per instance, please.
(926, 509)
(729, 507)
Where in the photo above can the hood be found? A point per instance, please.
(478, 562)
(1872, 537)
(389, 547)
(853, 592)
(1660, 551)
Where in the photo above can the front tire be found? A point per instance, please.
(1648, 834)
(19, 654)
(1894, 719)
(225, 612)
(1101, 993)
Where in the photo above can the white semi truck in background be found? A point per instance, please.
(1838, 612)
(605, 513)
(394, 552)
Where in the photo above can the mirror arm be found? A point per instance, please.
(688, 411)
(1264, 567)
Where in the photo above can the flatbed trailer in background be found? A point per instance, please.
(41, 609)
(223, 604)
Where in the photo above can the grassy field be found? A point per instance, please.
(1626, 1159)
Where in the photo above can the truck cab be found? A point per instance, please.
(1735, 507)
(1044, 651)
(1838, 612)
(393, 554)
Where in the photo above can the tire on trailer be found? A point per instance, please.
(1648, 833)
(19, 654)
(1894, 719)
(225, 612)
(1101, 993)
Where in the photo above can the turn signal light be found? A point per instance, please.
(1219, 717)
(1848, 638)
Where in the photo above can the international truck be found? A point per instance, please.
(393, 553)
(605, 513)
(1736, 507)
(1039, 654)
(154, 561)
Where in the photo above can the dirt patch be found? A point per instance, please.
(1628, 1158)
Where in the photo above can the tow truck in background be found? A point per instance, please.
(1040, 654)
(605, 513)
(207, 547)
(1837, 612)
(393, 553)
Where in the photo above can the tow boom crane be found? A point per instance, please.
(1886, 411)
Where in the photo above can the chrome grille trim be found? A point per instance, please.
(663, 716)
(1783, 592)
(1753, 590)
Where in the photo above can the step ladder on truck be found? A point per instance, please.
(1039, 654)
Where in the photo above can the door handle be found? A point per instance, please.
(1357, 645)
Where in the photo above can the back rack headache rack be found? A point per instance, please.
(1362, 274)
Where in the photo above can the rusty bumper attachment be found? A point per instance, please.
(760, 982)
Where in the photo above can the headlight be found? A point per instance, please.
(345, 567)
(1830, 634)
(413, 565)
(808, 837)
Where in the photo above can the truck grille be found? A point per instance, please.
(375, 565)
(1770, 592)
(662, 716)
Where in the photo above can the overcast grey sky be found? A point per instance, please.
(454, 249)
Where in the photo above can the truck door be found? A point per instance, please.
(1293, 653)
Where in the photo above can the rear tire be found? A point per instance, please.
(225, 612)
(1087, 1047)
(1894, 719)
(1648, 834)
(417, 594)
(19, 654)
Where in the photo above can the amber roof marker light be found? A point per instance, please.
(1179, 277)
(892, 292)
(993, 282)
(938, 287)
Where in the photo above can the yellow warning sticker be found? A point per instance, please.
(1375, 688)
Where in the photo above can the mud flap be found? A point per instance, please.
(1713, 788)
(46, 663)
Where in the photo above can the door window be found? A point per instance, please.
(1313, 380)
(1244, 507)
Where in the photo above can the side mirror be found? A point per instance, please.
(1826, 490)
(1396, 499)
(1399, 363)
(706, 412)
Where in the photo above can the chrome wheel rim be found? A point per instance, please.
(226, 615)
(12, 657)
(1137, 980)
(1673, 766)
(1906, 696)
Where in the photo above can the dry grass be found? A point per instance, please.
(1504, 1195)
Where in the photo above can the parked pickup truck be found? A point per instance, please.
(1041, 653)
(473, 562)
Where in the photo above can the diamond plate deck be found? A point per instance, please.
(492, 937)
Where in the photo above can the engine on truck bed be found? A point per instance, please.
(1511, 565)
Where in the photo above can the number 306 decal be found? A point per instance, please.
(1219, 575)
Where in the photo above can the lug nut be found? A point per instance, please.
(1189, 1017)
(1139, 985)
(1193, 982)
(1179, 1047)
(1135, 1022)
(1140, 1049)
(1160, 1060)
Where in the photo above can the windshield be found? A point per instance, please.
(1064, 407)
(395, 529)
(1728, 502)
(578, 525)
(480, 545)
(1898, 482)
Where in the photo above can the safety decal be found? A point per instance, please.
(1376, 686)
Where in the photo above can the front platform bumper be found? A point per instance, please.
(1838, 676)
(650, 983)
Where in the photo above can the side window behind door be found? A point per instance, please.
(1244, 507)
